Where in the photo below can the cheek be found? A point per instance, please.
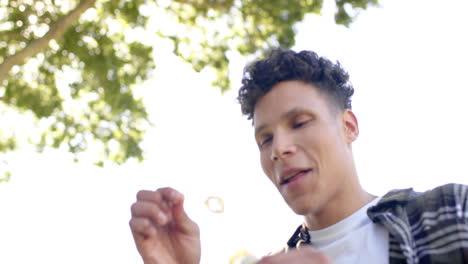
(333, 152)
(267, 165)
(310, 142)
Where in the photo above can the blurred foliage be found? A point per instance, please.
(75, 66)
(5, 177)
(5, 173)
(242, 257)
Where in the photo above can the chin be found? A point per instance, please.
(300, 207)
(302, 210)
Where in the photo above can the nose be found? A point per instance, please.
(283, 147)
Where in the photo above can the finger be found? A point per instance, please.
(153, 196)
(142, 228)
(151, 211)
(181, 219)
(170, 195)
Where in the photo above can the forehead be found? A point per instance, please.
(286, 96)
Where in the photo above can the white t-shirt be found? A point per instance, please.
(354, 239)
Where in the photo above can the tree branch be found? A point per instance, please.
(197, 4)
(8, 35)
(36, 46)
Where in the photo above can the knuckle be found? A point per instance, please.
(162, 189)
(134, 208)
(141, 194)
(139, 224)
(150, 210)
(143, 208)
(133, 224)
(153, 210)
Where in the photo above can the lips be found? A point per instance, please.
(289, 175)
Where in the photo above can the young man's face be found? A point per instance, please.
(305, 145)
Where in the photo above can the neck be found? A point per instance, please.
(342, 205)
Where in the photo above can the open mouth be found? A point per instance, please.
(295, 176)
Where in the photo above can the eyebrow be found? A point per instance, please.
(284, 116)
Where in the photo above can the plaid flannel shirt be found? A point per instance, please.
(429, 227)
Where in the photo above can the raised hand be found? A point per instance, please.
(163, 232)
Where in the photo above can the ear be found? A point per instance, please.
(350, 125)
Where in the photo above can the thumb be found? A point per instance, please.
(181, 219)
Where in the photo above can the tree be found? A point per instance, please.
(73, 65)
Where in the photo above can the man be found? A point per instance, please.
(300, 105)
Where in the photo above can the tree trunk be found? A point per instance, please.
(56, 31)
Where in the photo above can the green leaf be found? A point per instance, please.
(80, 87)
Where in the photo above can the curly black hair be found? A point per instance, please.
(287, 65)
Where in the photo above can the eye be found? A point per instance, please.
(265, 140)
(300, 123)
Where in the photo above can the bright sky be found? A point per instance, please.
(407, 61)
